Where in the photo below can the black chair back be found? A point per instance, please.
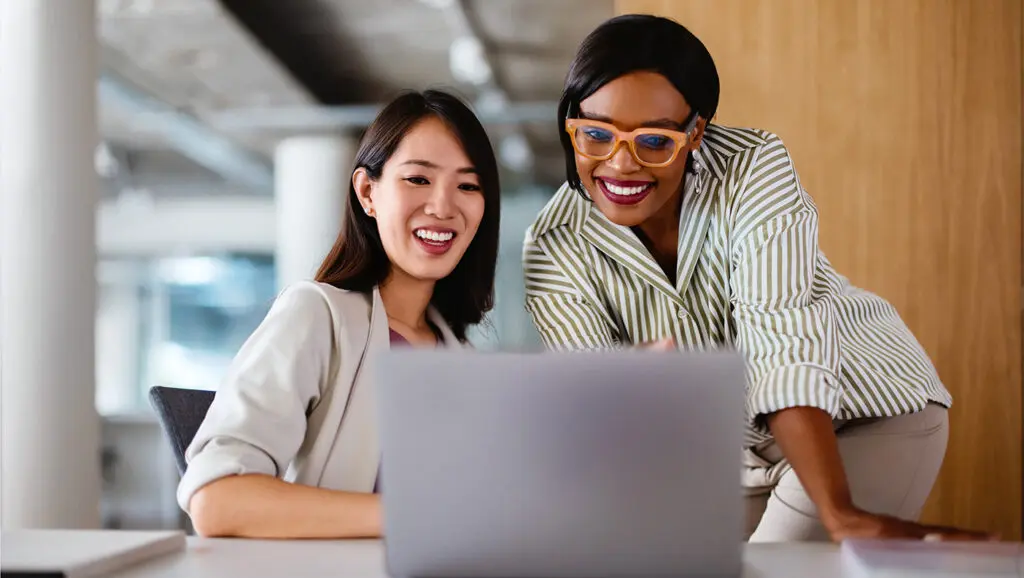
(181, 411)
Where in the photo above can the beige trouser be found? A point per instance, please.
(891, 465)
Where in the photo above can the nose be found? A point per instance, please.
(441, 203)
(622, 161)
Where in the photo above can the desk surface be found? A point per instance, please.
(210, 558)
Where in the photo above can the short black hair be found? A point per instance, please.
(358, 262)
(633, 43)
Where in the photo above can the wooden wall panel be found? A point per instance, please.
(904, 120)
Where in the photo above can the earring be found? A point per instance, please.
(369, 212)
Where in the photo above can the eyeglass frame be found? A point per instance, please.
(680, 137)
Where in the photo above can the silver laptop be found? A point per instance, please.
(561, 465)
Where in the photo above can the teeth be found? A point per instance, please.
(434, 235)
(625, 191)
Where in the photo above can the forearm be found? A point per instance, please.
(808, 441)
(260, 506)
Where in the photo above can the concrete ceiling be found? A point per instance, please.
(175, 63)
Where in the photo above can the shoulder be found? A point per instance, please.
(315, 295)
(761, 183)
(728, 148)
(564, 210)
(730, 140)
(555, 233)
(309, 303)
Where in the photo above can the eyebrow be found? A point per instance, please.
(657, 123)
(430, 165)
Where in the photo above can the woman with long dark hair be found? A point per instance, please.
(289, 448)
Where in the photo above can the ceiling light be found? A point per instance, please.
(491, 102)
(439, 4)
(468, 61)
(104, 161)
(514, 152)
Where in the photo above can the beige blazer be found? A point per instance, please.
(296, 402)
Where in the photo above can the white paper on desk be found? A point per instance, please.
(910, 558)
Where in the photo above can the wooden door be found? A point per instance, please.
(904, 121)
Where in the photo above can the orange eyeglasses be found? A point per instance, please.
(651, 147)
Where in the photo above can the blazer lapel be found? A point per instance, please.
(380, 333)
(357, 446)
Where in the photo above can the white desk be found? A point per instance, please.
(217, 558)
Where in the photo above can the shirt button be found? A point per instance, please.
(681, 314)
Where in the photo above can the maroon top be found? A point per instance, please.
(397, 339)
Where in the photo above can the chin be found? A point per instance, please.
(628, 218)
(624, 216)
(429, 271)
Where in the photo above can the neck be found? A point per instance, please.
(406, 299)
(660, 233)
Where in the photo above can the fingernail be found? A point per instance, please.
(932, 538)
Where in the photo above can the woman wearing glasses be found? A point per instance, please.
(674, 232)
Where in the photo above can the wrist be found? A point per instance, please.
(836, 515)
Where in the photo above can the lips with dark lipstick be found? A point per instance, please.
(624, 192)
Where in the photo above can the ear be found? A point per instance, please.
(698, 133)
(363, 185)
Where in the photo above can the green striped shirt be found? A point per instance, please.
(749, 276)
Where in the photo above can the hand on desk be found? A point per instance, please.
(808, 441)
(861, 524)
(663, 345)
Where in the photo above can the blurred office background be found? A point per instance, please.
(226, 129)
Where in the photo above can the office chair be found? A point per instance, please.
(181, 411)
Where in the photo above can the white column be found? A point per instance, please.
(48, 191)
(311, 179)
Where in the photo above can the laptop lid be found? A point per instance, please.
(561, 465)
(81, 553)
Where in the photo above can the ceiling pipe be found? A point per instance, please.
(189, 136)
(470, 63)
(313, 119)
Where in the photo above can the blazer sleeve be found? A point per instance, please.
(563, 315)
(258, 417)
(786, 326)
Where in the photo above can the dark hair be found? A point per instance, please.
(358, 262)
(632, 43)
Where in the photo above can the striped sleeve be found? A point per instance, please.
(787, 335)
(563, 316)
